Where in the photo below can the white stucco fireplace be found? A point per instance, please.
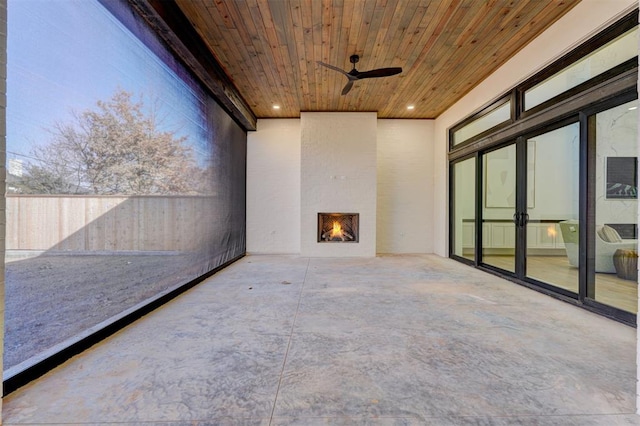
(338, 174)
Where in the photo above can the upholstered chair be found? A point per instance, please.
(607, 242)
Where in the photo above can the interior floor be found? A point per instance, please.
(393, 340)
(556, 270)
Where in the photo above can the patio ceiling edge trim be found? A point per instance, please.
(172, 26)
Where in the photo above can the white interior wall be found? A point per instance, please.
(582, 22)
(403, 175)
(405, 186)
(273, 187)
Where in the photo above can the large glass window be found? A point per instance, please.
(553, 166)
(464, 214)
(125, 178)
(499, 206)
(499, 115)
(607, 57)
(616, 205)
(559, 193)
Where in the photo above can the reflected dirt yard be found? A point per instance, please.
(53, 297)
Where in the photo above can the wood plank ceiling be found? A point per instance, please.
(269, 49)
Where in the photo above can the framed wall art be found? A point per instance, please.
(622, 178)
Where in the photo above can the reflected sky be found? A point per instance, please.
(65, 55)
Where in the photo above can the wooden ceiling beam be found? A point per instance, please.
(167, 19)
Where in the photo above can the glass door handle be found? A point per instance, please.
(520, 219)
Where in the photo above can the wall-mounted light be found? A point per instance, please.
(276, 107)
(410, 107)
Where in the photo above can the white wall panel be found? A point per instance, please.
(273, 187)
(405, 186)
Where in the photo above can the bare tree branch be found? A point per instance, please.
(114, 149)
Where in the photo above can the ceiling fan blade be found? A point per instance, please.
(354, 74)
(347, 87)
(380, 72)
(333, 68)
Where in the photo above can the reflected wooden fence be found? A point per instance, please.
(107, 223)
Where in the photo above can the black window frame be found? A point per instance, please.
(625, 24)
(483, 111)
(516, 95)
(452, 164)
(613, 87)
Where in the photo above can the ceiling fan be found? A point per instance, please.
(354, 74)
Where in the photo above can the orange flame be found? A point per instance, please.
(336, 232)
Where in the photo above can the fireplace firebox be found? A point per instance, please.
(338, 227)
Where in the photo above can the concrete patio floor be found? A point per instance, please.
(391, 340)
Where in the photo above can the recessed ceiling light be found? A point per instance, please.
(632, 108)
(410, 107)
(276, 107)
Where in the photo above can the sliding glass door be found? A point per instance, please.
(555, 178)
(552, 189)
(613, 278)
(464, 208)
(499, 208)
(557, 208)
(530, 205)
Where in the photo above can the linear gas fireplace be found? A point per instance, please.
(338, 227)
